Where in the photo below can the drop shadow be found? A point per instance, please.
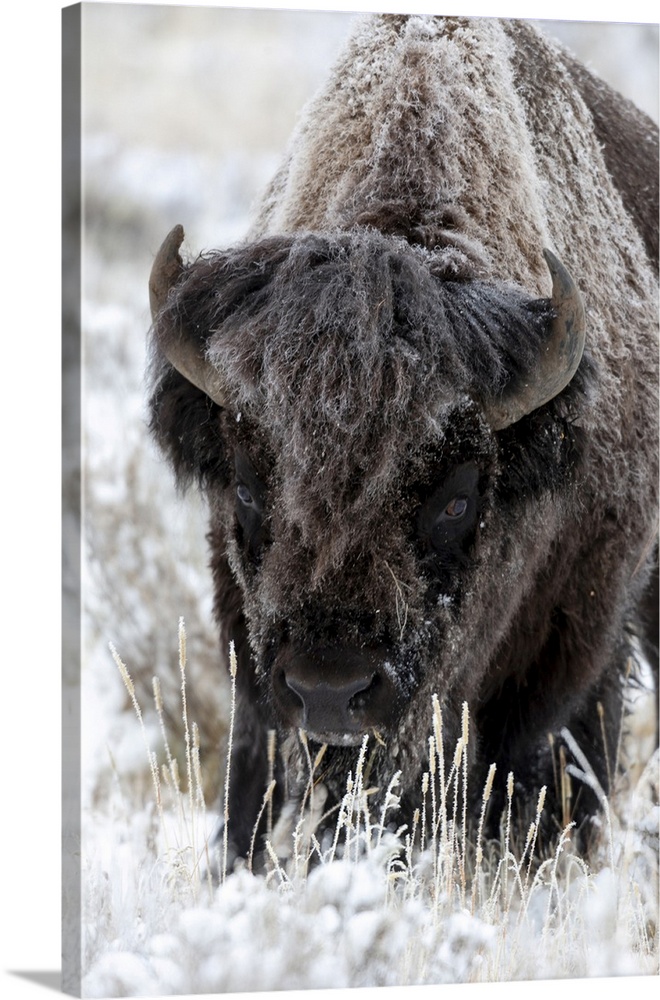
(49, 980)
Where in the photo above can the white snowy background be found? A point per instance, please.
(185, 114)
(184, 124)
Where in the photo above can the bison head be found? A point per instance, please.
(369, 423)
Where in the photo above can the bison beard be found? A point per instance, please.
(420, 481)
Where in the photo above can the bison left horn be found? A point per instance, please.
(561, 354)
(184, 351)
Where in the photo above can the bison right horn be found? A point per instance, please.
(183, 351)
(561, 354)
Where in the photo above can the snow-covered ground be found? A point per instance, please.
(186, 111)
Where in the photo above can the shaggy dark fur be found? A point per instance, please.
(387, 294)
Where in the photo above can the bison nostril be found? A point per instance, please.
(289, 697)
(362, 698)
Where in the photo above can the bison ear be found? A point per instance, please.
(187, 431)
(561, 353)
(184, 349)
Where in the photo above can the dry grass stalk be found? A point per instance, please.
(389, 800)
(186, 727)
(232, 719)
(439, 743)
(265, 804)
(130, 687)
(485, 798)
(465, 737)
(270, 751)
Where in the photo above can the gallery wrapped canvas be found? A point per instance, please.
(364, 311)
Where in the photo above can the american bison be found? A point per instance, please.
(421, 401)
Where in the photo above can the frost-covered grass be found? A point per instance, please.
(371, 906)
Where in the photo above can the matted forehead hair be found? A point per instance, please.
(343, 348)
(331, 314)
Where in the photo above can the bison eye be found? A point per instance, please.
(244, 495)
(456, 508)
(250, 508)
(448, 517)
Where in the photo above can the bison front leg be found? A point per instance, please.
(546, 741)
(249, 769)
(247, 776)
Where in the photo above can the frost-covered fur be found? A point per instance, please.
(393, 283)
